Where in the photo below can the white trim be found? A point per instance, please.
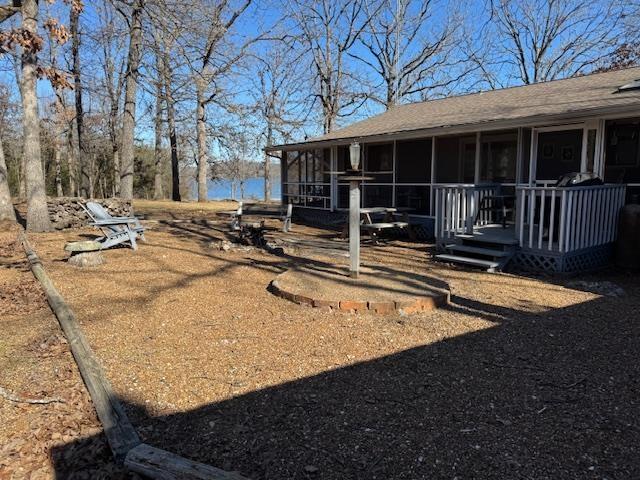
(583, 156)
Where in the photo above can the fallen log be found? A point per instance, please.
(120, 433)
(156, 463)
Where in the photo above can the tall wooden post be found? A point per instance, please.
(354, 228)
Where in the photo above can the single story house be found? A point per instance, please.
(479, 171)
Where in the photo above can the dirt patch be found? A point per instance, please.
(55, 440)
(518, 377)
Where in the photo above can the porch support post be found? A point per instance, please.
(519, 156)
(354, 228)
(533, 157)
(585, 142)
(476, 176)
(598, 160)
(333, 187)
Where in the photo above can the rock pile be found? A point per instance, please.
(66, 212)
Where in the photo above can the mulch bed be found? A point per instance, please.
(517, 378)
(61, 439)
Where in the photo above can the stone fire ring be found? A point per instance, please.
(378, 290)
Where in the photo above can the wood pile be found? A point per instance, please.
(66, 212)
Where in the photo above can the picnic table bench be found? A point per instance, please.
(283, 213)
(393, 218)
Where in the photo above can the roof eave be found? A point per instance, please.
(501, 124)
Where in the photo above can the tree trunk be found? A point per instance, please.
(171, 124)
(116, 171)
(131, 87)
(173, 141)
(267, 164)
(201, 130)
(6, 207)
(22, 183)
(59, 191)
(158, 194)
(84, 179)
(72, 159)
(37, 213)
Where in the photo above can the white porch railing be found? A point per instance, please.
(456, 208)
(561, 219)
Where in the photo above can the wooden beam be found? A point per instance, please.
(160, 464)
(123, 440)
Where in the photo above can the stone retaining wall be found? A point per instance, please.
(66, 212)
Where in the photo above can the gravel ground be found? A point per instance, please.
(61, 439)
(518, 378)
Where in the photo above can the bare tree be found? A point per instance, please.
(279, 100)
(329, 29)
(169, 101)
(158, 153)
(411, 47)
(37, 212)
(84, 180)
(210, 65)
(131, 88)
(541, 40)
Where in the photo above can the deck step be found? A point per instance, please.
(487, 238)
(476, 262)
(489, 252)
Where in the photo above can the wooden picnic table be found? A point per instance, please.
(393, 218)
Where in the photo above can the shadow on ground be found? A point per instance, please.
(552, 395)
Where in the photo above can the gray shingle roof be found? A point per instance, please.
(570, 97)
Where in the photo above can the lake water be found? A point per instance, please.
(253, 189)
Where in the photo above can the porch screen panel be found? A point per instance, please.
(378, 162)
(413, 161)
(622, 151)
(455, 159)
(526, 155)
(304, 178)
(414, 197)
(498, 158)
(413, 175)
(377, 195)
(558, 153)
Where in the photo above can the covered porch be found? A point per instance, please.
(450, 185)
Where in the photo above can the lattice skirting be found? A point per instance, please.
(583, 260)
(423, 227)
